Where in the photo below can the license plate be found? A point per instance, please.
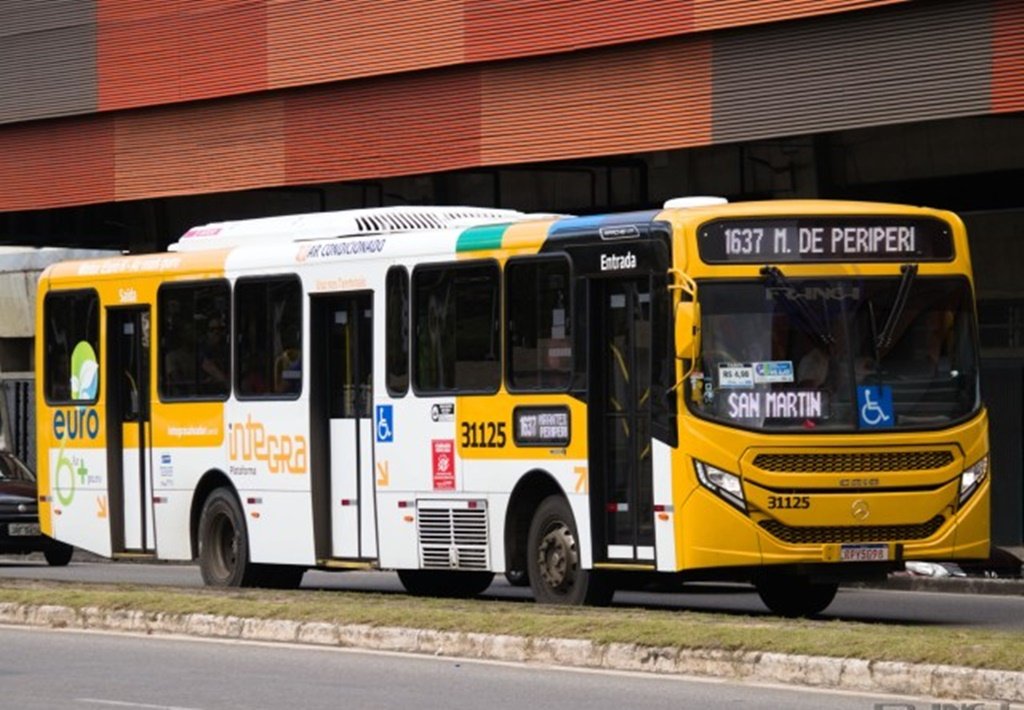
(23, 529)
(864, 553)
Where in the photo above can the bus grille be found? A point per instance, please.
(452, 537)
(854, 462)
(852, 533)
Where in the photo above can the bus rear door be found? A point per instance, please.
(343, 428)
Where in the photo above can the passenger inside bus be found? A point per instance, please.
(288, 365)
(179, 362)
(214, 358)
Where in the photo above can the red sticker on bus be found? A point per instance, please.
(443, 451)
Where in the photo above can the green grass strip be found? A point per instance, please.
(953, 645)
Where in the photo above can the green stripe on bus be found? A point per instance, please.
(485, 237)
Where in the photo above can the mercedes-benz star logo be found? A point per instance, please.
(860, 509)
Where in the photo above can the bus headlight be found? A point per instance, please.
(722, 483)
(972, 478)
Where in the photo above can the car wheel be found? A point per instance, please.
(59, 555)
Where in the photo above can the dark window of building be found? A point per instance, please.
(539, 337)
(194, 359)
(457, 328)
(1001, 325)
(268, 337)
(397, 326)
(71, 340)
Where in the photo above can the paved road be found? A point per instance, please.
(864, 605)
(45, 668)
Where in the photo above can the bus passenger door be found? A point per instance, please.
(620, 397)
(128, 430)
(342, 398)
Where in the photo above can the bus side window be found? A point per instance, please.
(194, 356)
(397, 331)
(539, 329)
(457, 329)
(71, 346)
(268, 337)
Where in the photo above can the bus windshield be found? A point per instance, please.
(836, 354)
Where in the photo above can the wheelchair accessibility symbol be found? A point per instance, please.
(384, 421)
(874, 405)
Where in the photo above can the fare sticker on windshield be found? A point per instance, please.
(773, 371)
(735, 374)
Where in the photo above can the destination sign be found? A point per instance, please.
(810, 239)
(541, 426)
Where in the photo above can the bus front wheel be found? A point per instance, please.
(795, 595)
(223, 543)
(553, 559)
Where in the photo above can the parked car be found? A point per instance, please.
(19, 514)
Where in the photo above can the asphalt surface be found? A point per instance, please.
(851, 604)
(45, 668)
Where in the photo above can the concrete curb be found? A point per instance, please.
(814, 671)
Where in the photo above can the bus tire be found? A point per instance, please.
(223, 542)
(59, 555)
(552, 559)
(795, 595)
(437, 583)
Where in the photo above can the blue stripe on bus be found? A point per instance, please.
(578, 225)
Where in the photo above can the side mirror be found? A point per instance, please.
(687, 329)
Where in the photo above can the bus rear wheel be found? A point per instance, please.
(438, 583)
(795, 595)
(223, 543)
(553, 559)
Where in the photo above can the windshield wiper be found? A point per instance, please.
(810, 320)
(884, 339)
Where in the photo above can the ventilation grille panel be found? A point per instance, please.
(452, 535)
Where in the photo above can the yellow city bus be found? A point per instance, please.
(782, 392)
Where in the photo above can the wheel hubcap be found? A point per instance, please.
(557, 557)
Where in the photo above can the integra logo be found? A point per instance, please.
(814, 293)
(618, 262)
